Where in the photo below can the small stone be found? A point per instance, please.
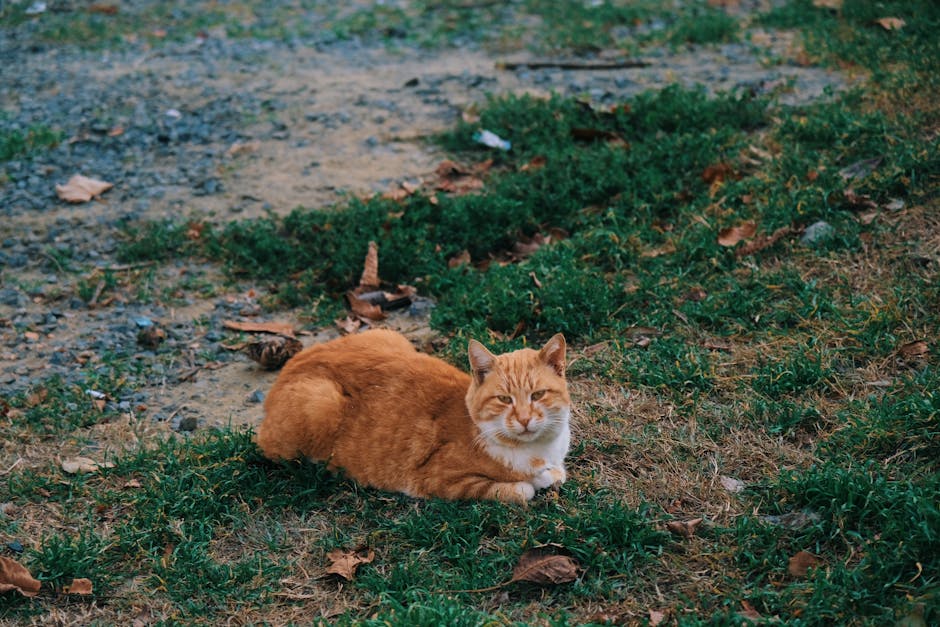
(16, 546)
(187, 424)
(256, 396)
(817, 233)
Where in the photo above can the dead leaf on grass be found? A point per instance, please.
(344, 562)
(666, 249)
(82, 189)
(78, 586)
(536, 163)
(914, 349)
(83, 465)
(656, 617)
(748, 611)
(370, 268)
(762, 242)
(545, 566)
(717, 172)
(835, 5)
(455, 178)
(684, 528)
(594, 134)
(731, 235)
(460, 259)
(15, 576)
(801, 563)
(860, 169)
(273, 352)
(278, 328)
(890, 23)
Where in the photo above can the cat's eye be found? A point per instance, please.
(505, 399)
(538, 394)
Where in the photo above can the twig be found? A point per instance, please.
(18, 461)
(129, 266)
(98, 289)
(53, 260)
(570, 65)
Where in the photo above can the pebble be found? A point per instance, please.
(817, 233)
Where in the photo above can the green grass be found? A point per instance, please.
(17, 142)
(781, 368)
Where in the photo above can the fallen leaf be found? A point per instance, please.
(857, 202)
(910, 350)
(273, 352)
(544, 566)
(731, 484)
(349, 324)
(696, 295)
(37, 397)
(455, 178)
(151, 337)
(463, 258)
(83, 465)
(104, 9)
(364, 308)
(717, 172)
(666, 249)
(860, 169)
(890, 23)
(656, 617)
(278, 328)
(15, 576)
(82, 189)
(801, 563)
(594, 134)
(835, 5)
(344, 562)
(765, 241)
(748, 611)
(370, 268)
(684, 528)
(734, 234)
(78, 586)
(536, 163)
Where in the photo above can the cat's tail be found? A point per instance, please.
(301, 419)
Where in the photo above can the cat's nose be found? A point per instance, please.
(524, 421)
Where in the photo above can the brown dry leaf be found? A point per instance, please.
(835, 5)
(890, 23)
(536, 163)
(455, 178)
(857, 202)
(82, 189)
(463, 258)
(762, 242)
(278, 328)
(397, 194)
(37, 397)
(83, 465)
(696, 295)
(734, 234)
(666, 249)
(15, 576)
(273, 352)
(78, 586)
(104, 9)
(344, 562)
(545, 566)
(717, 172)
(349, 324)
(363, 308)
(656, 617)
(684, 528)
(910, 350)
(748, 611)
(801, 563)
(594, 134)
(370, 268)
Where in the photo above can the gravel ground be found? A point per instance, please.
(231, 128)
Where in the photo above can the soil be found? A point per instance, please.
(230, 129)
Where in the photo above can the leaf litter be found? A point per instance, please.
(345, 562)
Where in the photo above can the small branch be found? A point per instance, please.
(571, 65)
(18, 461)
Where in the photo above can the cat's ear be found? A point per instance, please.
(553, 354)
(481, 360)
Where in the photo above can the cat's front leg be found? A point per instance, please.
(551, 476)
(512, 491)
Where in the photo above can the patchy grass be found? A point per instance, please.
(789, 369)
(19, 142)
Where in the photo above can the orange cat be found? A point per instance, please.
(397, 419)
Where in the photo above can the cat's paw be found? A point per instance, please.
(553, 476)
(515, 492)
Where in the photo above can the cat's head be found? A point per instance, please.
(519, 397)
